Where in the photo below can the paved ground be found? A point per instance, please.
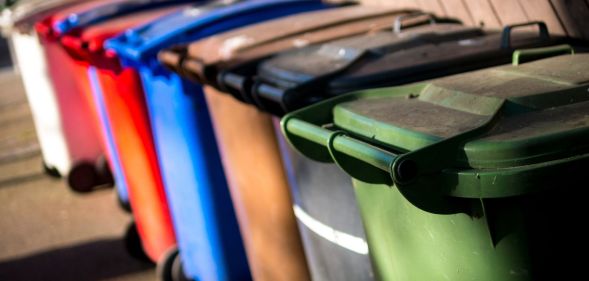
(46, 231)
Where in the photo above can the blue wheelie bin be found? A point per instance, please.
(210, 247)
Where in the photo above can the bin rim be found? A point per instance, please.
(370, 12)
(88, 42)
(108, 10)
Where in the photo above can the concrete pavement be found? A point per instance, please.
(46, 231)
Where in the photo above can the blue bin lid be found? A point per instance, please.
(201, 21)
(108, 10)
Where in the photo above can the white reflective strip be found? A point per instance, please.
(344, 240)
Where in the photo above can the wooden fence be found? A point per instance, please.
(570, 17)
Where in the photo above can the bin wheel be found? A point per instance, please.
(82, 178)
(51, 171)
(178, 270)
(104, 173)
(124, 204)
(133, 244)
(164, 265)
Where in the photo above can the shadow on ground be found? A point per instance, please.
(93, 261)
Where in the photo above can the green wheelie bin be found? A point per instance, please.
(476, 176)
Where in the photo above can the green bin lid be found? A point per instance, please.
(498, 120)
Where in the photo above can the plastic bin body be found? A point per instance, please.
(331, 230)
(30, 60)
(209, 240)
(118, 97)
(462, 178)
(41, 98)
(81, 135)
(97, 100)
(131, 132)
(196, 187)
(262, 181)
(328, 217)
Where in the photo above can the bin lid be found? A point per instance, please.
(386, 58)
(207, 57)
(498, 120)
(201, 21)
(93, 12)
(45, 28)
(88, 43)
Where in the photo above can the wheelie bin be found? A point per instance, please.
(315, 185)
(30, 61)
(116, 91)
(476, 176)
(206, 229)
(243, 48)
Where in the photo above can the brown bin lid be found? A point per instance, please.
(206, 57)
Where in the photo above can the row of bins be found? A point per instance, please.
(293, 139)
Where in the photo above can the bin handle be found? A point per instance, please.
(521, 56)
(345, 151)
(339, 142)
(506, 34)
(398, 25)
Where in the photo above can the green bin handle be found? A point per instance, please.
(525, 55)
(345, 151)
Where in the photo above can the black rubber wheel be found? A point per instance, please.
(178, 270)
(164, 265)
(133, 244)
(83, 178)
(103, 172)
(51, 171)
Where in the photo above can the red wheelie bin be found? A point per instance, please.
(120, 94)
